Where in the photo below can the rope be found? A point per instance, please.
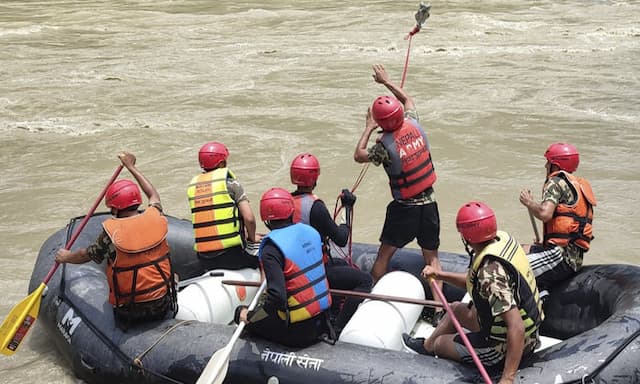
(138, 359)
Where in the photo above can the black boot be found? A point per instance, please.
(415, 344)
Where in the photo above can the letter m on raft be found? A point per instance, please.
(69, 322)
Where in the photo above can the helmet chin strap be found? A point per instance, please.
(469, 250)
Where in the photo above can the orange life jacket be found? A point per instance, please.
(302, 214)
(572, 223)
(411, 170)
(142, 270)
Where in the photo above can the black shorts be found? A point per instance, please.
(233, 258)
(404, 223)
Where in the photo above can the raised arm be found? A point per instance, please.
(381, 76)
(129, 161)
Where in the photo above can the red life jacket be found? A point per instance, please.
(302, 214)
(572, 223)
(411, 170)
(142, 270)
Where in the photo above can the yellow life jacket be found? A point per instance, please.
(142, 270)
(214, 214)
(511, 256)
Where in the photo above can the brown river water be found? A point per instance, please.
(495, 82)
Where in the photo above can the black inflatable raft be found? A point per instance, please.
(597, 314)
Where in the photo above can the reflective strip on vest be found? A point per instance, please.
(512, 257)
(214, 214)
(572, 223)
(411, 170)
(305, 278)
(142, 270)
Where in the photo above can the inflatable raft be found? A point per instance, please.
(596, 316)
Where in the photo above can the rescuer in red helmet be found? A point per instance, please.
(566, 211)
(135, 246)
(404, 152)
(223, 222)
(506, 313)
(295, 310)
(310, 210)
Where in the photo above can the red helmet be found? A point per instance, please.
(564, 155)
(276, 204)
(212, 154)
(123, 194)
(387, 111)
(476, 222)
(305, 170)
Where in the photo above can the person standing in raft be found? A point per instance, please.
(297, 300)
(310, 210)
(567, 213)
(223, 223)
(506, 311)
(139, 271)
(404, 152)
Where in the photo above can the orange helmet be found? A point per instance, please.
(276, 204)
(305, 170)
(211, 154)
(123, 194)
(564, 155)
(476, 222)
(388, 113)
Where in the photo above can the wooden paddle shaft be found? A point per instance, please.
(362, 295)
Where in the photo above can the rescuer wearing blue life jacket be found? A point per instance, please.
(405, 153)
(295, 310)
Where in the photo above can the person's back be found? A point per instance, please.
(139, 271)
(294, 312)
(220, 213)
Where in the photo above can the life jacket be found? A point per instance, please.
(411, 169)
(302, 214)
(141, 270)
(304, 273)
(572, 223)
(214, 214)
(511, 256)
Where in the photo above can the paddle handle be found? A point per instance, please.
(361, 295)
(483, 372)
(84, 222)
(535, 227)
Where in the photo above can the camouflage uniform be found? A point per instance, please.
(496, 286)
(554, 263)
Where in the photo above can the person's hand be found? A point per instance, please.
(62, 255)
(504, 380)
(127, 159)
(526, 198)
(371, 124)
(380, 74)
(429, 272)
(347, 198)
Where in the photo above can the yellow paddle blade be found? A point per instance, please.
(19, 321)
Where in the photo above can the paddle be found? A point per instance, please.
(216, 369)
(535, 227)
(483, 372)
(24, 314)
(362, 295)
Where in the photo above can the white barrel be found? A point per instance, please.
(208, 300)
(380, 324)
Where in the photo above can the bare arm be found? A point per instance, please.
(361, 155)
(249, 220)
(515, 344)
(380, 76)
(129, 161)
(458, 279)
(543, 211)
(79, 256)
